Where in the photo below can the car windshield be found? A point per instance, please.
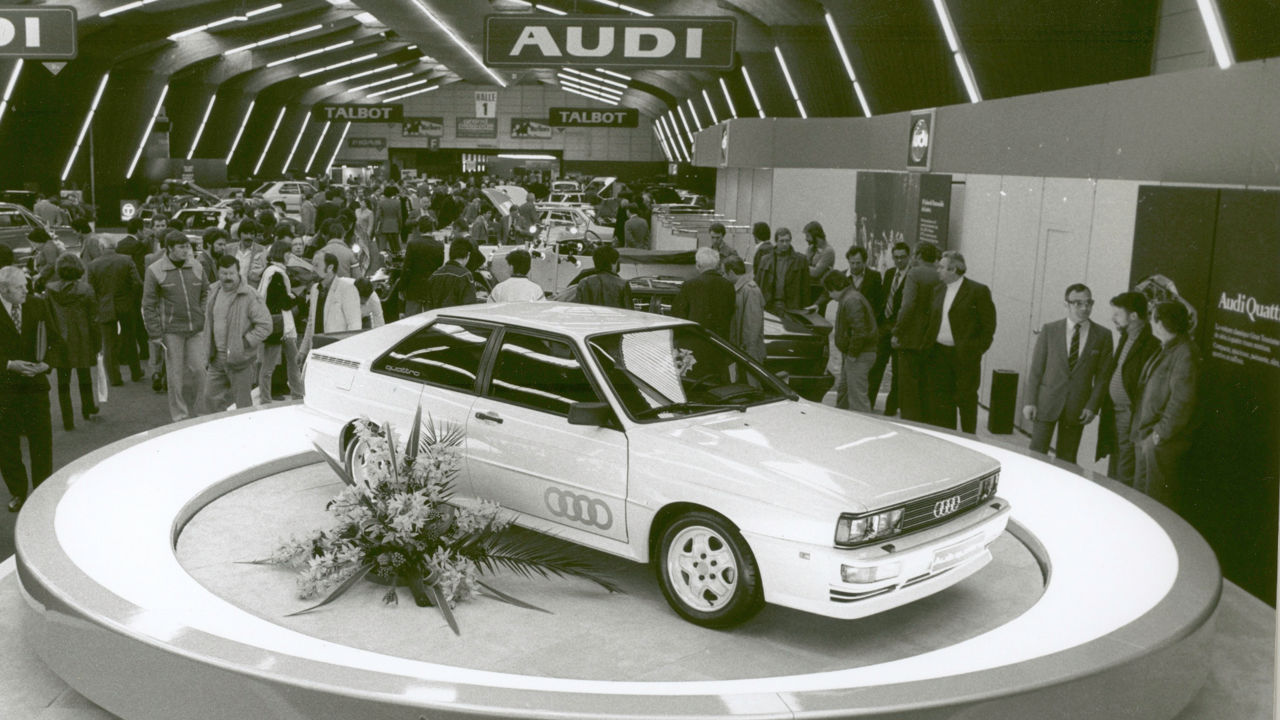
(670, 372)
(262, 190)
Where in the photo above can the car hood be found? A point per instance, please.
(804, 454)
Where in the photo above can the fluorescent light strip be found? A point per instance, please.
(596, 78)
(311, 53)
(966, 74)
(226, 20)
(710, 108)
(239, 133)
(626, 8)
(301, 131)
(752, 89)
(341, 139)
(272, 40)
(697, 121)
(786, 73)
(359, 75)
(724, 87)
(1217, 34)
(125, 8)
(270, 138)
(953, 42)
(587, 94)
(547, 9)
(458, 41)
(84, 128)
(688, 133)
(411, 94)
(316, 150)
(662, 141)
(673, 133)
(8, 88)
(611, 73)
(848, 66)
(525, 156)
(342, 64)
(147, 133)
(393, 78)
(608, 91)
(566, 83)
(398, 88)
(200, 130)
(675, 145)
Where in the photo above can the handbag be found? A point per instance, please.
(100, 385)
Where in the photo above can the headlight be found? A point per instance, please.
(855, 529)
(988, 487)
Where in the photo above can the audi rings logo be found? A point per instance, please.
(579, 508)
(942, 508)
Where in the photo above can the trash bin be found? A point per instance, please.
(1004, 399)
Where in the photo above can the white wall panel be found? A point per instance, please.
(1115, 210)
(762, 196)
(1066, 221)
(1013, 281)
(975, 235)
(801, 195)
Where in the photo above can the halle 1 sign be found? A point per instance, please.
(672, 43)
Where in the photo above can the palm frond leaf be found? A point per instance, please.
(442, 435)
(346, 585)
(497, 594)
(411, 448)
(391, 452)
(334, 464)
(443, 605)
(536, 555)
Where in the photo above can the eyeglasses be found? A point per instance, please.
(1081, 303)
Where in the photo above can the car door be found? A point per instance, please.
(292, 196)
(525, 455)
(435, 367)
(13, 231)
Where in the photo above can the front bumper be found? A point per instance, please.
(808, 577)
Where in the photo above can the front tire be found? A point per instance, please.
(707, 572)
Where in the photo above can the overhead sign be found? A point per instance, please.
(487, 103)
(477, 127)
(593, 117)
(920, 143)
(530, 128)
(422, 127)
(367, 143)
(128, 209)
(672, 43)
(40, 33)
(363, 113)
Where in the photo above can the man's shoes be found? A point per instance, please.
(137, 377)
(89, 412)
(120, 383)
(15, 503)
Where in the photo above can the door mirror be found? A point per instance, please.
(597, 414)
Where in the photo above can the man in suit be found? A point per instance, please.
(864, 279)
(1067, 377)
(709, 298)
(423, 256)
(333, 305)
(1137, 345)
(24, 389)
(962, 324)
(1164, 419)
(911, 338)
(887, 315)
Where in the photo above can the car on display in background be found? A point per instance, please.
(566, 222)
(576, 199)
(196, 220)
(565, 186)
(16, 222)
(288, 193)
(649, 438)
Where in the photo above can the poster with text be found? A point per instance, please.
(895, 207)
(530, 128)
(422, 127)
(477, 127)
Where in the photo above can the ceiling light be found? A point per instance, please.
(147, 133)
(595, 78)
(710, 108)
(587, 94)
(611, 94)
(393, 78)
(200, 129)
(620, 6)
(787, 74)
(685, 123)
(673, 132)
(8, 88)
(611, 73)
(1217, 35)
(316, 150)
(398, 88)
(662, 140)
(301, 131)
(526, 156)
(549, 9)
(752, 89)
(224, 21)
(341, 139)
(125, 8)
(848, 66)
(697, 121)
(270, 138)
(272, 40)
(411, 94)
(367, 19)
(602, 89)
(311, 53)
(733, 111)
(458, 41)
(335, 66)
(240, 133)
(953, 42)
(84, 127)
(359, 75)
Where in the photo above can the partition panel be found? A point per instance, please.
(1013, 284)
(823, 195)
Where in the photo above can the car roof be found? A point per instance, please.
(12, 206)
(573, 319)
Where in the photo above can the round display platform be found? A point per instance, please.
(1100, 604)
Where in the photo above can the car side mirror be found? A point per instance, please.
(597, 414)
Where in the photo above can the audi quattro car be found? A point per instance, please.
(650, 438)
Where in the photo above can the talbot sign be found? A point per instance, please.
(672, 43)
(364, 113)
(592, 117)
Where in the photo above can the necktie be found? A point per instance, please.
(17, 317)
(1074, 353)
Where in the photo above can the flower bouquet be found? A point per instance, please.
(396, 525)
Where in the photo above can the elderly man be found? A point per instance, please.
(24, 389)
(173, 300)
(237, 321)
(961, 326)
(747, 329)
(709, 298)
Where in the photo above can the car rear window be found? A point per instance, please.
(444, 353)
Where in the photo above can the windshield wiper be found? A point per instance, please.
(674, 407)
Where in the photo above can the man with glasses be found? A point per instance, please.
(1067, 378)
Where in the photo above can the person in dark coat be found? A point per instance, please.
(891, 297)
(74, 309)
(911, 340)
(452, 283)
(1164, 419)
(422, 257)
(24, 389)
(604, 287)
(962, 324)
(135, 248)
(1137, 345)
(118, 290)
(783, 275)
(709, 298)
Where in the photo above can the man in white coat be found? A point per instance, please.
(337, 298)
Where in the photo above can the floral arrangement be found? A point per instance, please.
(395, 525)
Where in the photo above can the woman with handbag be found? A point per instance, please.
(277, 292)
(74, 307)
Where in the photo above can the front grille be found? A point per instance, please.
(918, 514)
(335, 360)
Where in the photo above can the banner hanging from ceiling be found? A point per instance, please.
(688, 43)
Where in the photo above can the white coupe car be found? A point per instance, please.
(650, 438)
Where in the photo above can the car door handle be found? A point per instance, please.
(490, 416)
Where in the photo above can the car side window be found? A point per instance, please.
(444, 353)
(11, 220)
(540, 373)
